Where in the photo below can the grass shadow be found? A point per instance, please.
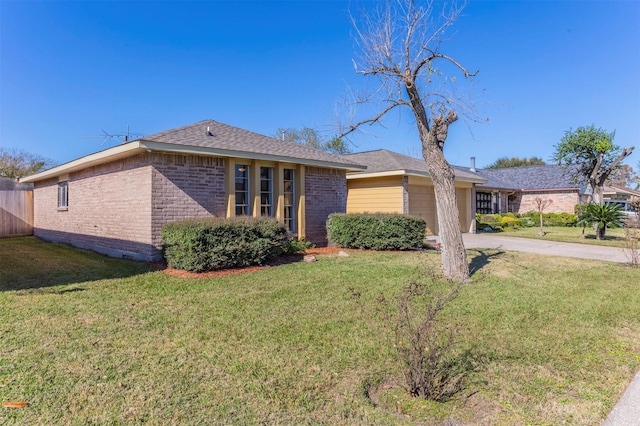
(30, 263)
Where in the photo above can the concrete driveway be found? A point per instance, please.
(551, 248)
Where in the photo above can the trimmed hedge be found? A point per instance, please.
(506, 221)
(552, 219)
(376, 231)
(208, 244)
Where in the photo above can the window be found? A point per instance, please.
(266, 191)
(483, 202)
(242, 190)
(63, 195)
(289, 200)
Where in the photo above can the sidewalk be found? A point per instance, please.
(627, 411)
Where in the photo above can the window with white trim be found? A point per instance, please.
(243, 205)
(289, 200)
(266, 191)
(63, 195)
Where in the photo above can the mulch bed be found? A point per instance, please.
(280, 260)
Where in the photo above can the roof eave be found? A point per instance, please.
(405, 172)
(141, 145)
(550, 189)
(111, 154)
(198, 150)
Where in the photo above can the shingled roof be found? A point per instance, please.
(239, 142)
(528, 178)
(209, 137)
(384, 161)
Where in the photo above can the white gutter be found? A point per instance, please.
(366, 175)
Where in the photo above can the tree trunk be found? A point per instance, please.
(454, 256)
(600, 232)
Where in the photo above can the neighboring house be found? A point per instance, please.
(397, 183)
(619, 193)
(116, 201)
(515, 189)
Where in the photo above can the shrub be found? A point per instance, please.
(376, 231)
(551, 219)
(295, 246)
(510, 221)
(425, 340)
(199, 245)
(602, 216)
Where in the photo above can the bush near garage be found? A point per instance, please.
(376, 231)
(498, 222)
(208, 244)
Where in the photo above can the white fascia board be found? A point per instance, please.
(198, 150)
(121, 151)
(367, 175)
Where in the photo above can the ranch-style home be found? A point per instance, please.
(397, 183)
(116, 201)
(515, 189)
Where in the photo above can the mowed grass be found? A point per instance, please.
(90, 340)
(618, 237)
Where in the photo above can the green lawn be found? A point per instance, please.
(618, 237)
(91, 340)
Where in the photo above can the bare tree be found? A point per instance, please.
(16, 163)
(541, 204)
(399, 43)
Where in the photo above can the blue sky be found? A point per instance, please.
(70, 69)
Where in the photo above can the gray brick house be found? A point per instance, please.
(117, 200)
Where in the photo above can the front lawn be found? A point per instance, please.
(91, 340)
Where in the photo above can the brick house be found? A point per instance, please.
(116, 201)
(397, 183)
(514, 189)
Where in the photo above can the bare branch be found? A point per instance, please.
(372, 120)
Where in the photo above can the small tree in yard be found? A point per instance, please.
(400, 45)
(602, 216)
(541, 204)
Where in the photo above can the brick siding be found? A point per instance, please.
(118, 208)
(325, 193)
(184, 187)
(563, 201)
(108, 209)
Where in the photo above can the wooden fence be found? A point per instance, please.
(16, 213)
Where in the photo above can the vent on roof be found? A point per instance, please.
(473, 164)
(208, 133)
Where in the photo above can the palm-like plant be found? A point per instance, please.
(601, 216)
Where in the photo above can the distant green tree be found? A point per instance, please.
(592, 149)
(311, 137)
(506, 162)
(15, 163)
